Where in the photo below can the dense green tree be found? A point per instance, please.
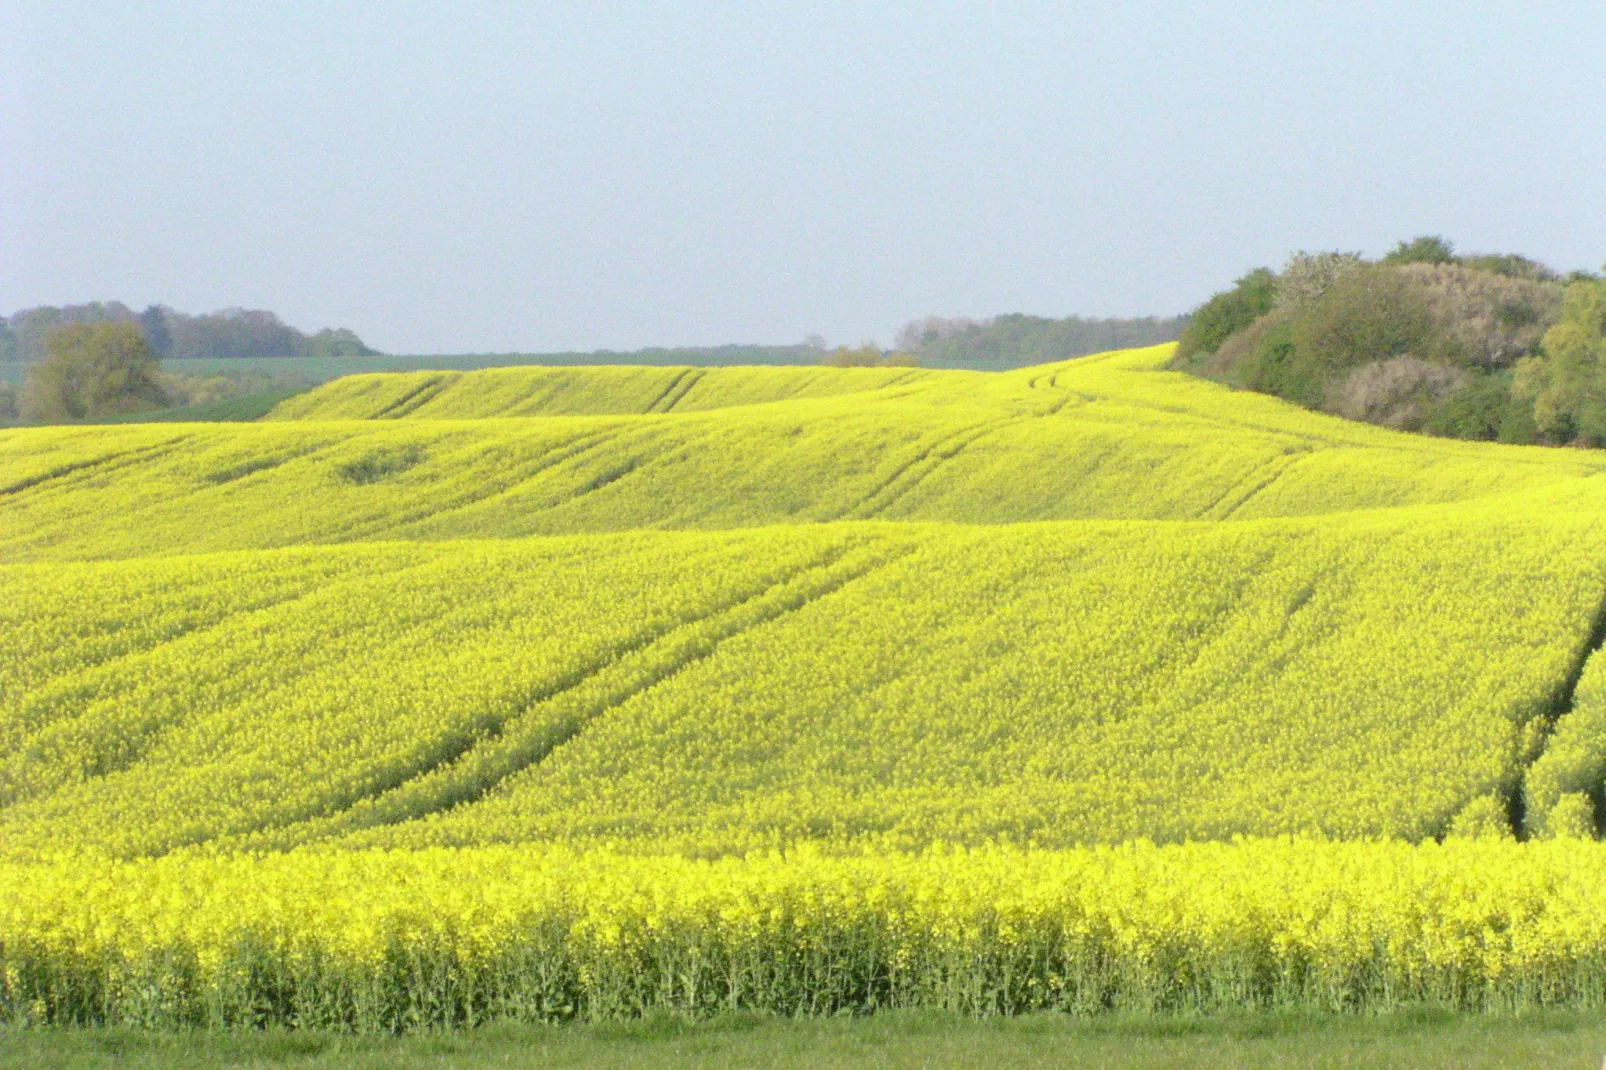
(1368, 314)
(1427, 249)
(1463, 346)
(1569, 384)
(338, 342)
(92, 370)
(1227, 313)
(1018, 339)
(33, 325)
(153, 321)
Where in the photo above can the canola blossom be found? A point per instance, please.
(439, 698)
(379, 940)
(1100, 438)
(1051, 684)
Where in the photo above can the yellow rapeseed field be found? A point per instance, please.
(419, 939)
(554, 693)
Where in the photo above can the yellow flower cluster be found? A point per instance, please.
(1098, 439)
(1051, 684)
(622, 390)
(578, 693)
(405, 940)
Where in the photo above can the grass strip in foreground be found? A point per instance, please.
(1410, 1038)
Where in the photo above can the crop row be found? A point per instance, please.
(1061, 683)
(416, 940)
(591, 391)
(1012, 452)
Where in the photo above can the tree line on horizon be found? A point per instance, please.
(1017, 339)
(174, 335)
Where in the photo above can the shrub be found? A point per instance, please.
(1227, 313)
(1398, 392)
(868, 355)
(1569, 384)
(1427, 249)
(1489, 320)
(92, 370)
(1511, 266)
(1483, 407)
(1308, 276)
(1261, 357)
(1368, 315)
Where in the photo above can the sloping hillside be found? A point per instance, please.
(1063, 683)
(442, 699)
(1093, 439)
(589, 391)
(1088, 603)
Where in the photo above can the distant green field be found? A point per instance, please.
(309, 370)
(230, 410)
(242, 409)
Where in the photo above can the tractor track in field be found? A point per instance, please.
(414, 400)
(134, 750)
(1278, 464)
(505, 753)
(940, 456)
(544, 461)
(397, 406)
(1560, 705)
(1284, 464)
(676, 391)
(109, 463)
(25, 733)
(866, 506)
(190, 631)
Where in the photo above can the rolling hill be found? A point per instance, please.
(705, 614)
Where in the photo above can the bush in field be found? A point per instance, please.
(869, 355)
(1227, 313)
(92, 370)
(1368, 315)
(1427, 249)
(1399, 392)
(1423, 339)
(1489, 320)
(1307, 277)
(1511, 266)
(1260, 358)
(1569, 384)
(1484, 407)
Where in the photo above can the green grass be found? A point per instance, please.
(304, 370)
(1407, 1039)
(242, 409)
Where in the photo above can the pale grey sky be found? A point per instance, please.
(457, 177)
